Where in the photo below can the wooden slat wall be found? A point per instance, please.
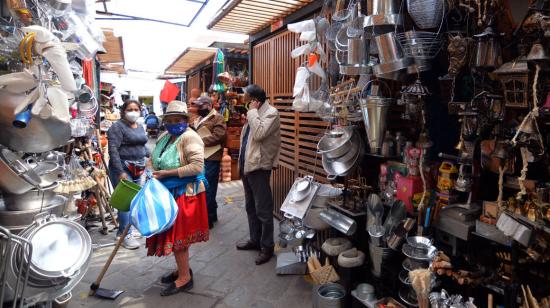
(274, 70)
(193, 81)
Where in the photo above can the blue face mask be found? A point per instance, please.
(176, 129)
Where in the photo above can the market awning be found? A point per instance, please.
(251, 16)
(189, 59)
(114, 51)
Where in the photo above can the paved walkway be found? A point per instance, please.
(224, 277)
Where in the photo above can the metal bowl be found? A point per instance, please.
(419, 241)
(332, 146)
(419, 253)
(31, 200)
(411, 264)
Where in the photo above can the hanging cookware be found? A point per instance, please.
(383, 16)
(39, 136)
(301, 189)
(427, 14)
(488, 49)
(343, 165)
(393, 64)
(16, 176)
(334, 146)
(375, 110)
(357, 57)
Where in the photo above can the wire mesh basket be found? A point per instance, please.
(420, 45)
(426, 14)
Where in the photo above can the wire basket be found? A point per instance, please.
(421, 45)
(426, 14)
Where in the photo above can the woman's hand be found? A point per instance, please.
(123, 176)
(160, 174)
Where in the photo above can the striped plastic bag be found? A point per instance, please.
(153, 209)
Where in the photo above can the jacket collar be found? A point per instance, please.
(264, 106)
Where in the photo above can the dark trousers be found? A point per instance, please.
(212, 173)
(259, 207)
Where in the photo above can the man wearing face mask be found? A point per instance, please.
(259, 154)
(212, 129)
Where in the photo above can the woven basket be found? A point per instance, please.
(325, 275)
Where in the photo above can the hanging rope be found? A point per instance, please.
(500, 185)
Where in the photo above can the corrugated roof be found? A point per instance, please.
(114, 51)
(251, 16)
(189, 59)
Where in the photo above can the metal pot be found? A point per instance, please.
(334, 146)
(61, 247)
(39, 136)
(16, 177)
(330, 295)
(383, 16)
(19, 220)
(31, 200)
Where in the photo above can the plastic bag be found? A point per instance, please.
(302, 26)
(302, 75)
(153, 209)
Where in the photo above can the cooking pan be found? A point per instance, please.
(334, 145)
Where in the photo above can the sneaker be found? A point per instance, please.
(129, 242)
(135, 233)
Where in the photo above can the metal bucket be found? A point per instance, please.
(329, 295)
(389, 49)
(357, 50)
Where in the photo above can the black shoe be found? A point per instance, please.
(173, 276)
(172, 289)
(264, 256)
(210, 225)
(247, 245)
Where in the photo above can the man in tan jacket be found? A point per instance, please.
(211, 127)
(260, 147)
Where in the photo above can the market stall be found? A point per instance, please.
(51, 160)
(223, 69)
(413, 138)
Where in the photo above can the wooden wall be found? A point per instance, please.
(193, 81)
(274, 70)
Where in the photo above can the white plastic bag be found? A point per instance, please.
(302, 26)
(308, 36)
(300, 51)
(302, 75)
(153, 209)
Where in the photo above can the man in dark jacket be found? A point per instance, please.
(211, 127)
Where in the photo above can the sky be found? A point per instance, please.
(150, 46)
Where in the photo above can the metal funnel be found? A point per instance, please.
(375, 111)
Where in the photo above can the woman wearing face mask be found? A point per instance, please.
(127, 142)
(178, 161)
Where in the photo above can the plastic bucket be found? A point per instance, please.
(123, 195)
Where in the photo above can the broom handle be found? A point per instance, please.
(95, 285)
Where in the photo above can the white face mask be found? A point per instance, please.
(132, 116)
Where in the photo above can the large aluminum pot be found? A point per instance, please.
(16, 221)
(61, 247)
(16, 177)
(39, 136)
(334, 145)
(330, 295)
(32, 200)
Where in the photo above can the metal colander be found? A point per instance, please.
(420, 45)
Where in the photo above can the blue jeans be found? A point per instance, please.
(212, 173)
(123, 217)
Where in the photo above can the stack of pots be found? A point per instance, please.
(340, 149)
(61, 253)
(417, 245)
(27, 187)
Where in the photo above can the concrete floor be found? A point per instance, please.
(223, 276)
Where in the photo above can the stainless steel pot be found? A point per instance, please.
(339, 221)
(16, 221)
(383, 16)
(31, 200)
(39, 136)
(334, 146)
(15, 176)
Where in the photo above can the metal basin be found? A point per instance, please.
(31, 200)
(16, 221)
(330, 295)
(335, 146)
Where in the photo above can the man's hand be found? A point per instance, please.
(254, 105)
